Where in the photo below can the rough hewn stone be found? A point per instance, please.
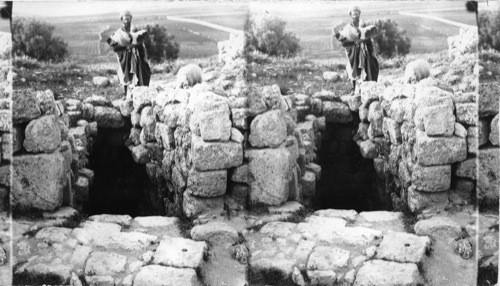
(108, 117)
(336, 112)
(207, 184)
(385, 273)
(38, 181)
(269, 171)
(403, 247)
(467, 113)
(268, 129)
(194, 206)
(432, 178)
(215, 155)
(438, 226)
(156, 275)
(105, 263)
(25, 106)
(439, 150)
(438, 120)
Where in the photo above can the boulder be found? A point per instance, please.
(38, 181)
(42, 135)
(268, 129)
(215, 155)
(269, 171)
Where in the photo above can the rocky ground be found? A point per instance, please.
(277, 247)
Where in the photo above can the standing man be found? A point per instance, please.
(131, 54)
(355, 38)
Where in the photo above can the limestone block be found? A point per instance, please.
(467, 113)
(438, 120)
(215, 125)
(488, 100)
(269, 173)
(438, 226)
(308, 182)
(494, 130)
(207, 184)
(362, 132)
(397, 109)
(370, 91)
(375, 112)
(488, 182)
(403, 247)
(268, 129)
(142, 96)
(215, 155)
(421, 200)
(38, 181)
(240, 118)
(5, 120)
(460, 130)
(164, 135)
(24, 106)
(336, 112)
(439, 150)
(42, 135)
(387, 273)
(368, 149)
(392, 130)
(180, 252)
(147, 117)
(105, 263)
(328, 258)
(432, 178)
(467, 168)
(214, 231)
(194, 206)
(108, 117)
(140, 154)
(156, 275)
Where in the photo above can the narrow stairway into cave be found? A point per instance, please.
(120, 184)
(348, 181)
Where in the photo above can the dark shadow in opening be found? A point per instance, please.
(120, 185)
(348, 181)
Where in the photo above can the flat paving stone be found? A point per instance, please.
(438, 226)
(180, 252)
(387, 273)
(349, 215)
(403, 247)
(125, 241)
(213, 231)
(123, 220)
(156, 221)
(156, 275)
(80, 255)
(328, 258)
(380, 216)
(105, 264)
(95, 228)
(61, 213)
(278, 228)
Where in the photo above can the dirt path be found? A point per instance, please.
(457, 24)
(206, 24)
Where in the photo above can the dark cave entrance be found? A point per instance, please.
(348, 181)
(121, 186)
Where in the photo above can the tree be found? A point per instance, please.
(267, 34)
(390, 40)
(160, 45)
(35, 39)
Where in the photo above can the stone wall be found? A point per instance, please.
(5, 120)
(50, 149)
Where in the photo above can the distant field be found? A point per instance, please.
(82, 33)
(313, 22)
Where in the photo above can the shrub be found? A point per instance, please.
(390, 39)
(160, 45)
(35, 39)
(266, 34)
(489, 30)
